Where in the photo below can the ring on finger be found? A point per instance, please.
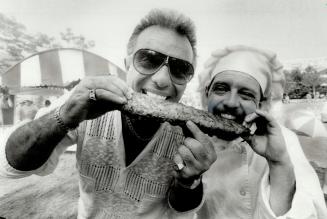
(180, 166)
(92, 95)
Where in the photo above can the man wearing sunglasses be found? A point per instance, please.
(128, 168)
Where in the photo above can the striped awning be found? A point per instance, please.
(50, 71)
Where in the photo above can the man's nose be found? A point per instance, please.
(162, 78)
(232, 100)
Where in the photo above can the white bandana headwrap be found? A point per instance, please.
(262, 65)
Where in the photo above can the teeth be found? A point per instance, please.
(156, 96)
(228, 116)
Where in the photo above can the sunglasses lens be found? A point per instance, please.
(180, 70)
(148, 61)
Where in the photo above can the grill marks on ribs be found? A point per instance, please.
(141, 105)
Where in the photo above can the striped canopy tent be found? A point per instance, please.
(50, 72)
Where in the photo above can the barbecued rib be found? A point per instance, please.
(178, 114)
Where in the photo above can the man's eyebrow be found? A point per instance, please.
(248, 89)
(216, 83)
(219, 83)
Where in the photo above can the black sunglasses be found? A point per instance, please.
(148, 62)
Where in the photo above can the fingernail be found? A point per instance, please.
(129, 93)
(253, 128)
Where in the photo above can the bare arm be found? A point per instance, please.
(269, 142)
(30, 146)
(282, 184)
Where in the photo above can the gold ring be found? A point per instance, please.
(92, 95)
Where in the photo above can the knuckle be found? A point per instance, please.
(188, 141)
(182, 149)
(209, 161)
(193, 145)
(207, 166)
(203, 154)
(188, 159)
(185, 154)
(208, 140)
(88, 81)
(203, 136)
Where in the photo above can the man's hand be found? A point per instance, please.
(196, 154)
(268, 142)
(193, 158)
(110, 92)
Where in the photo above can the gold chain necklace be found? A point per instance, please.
(132, 130)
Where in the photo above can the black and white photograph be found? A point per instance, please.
(213, 109)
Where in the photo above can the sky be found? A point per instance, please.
(294, 29)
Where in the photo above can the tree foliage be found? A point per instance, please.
(311, 78)
(78, 40)
(301, 82)
(17, 43)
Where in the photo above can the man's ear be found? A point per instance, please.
(127, 62)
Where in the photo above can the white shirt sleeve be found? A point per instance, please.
(308, 201)
(6, 170)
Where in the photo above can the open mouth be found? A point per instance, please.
(154, 95)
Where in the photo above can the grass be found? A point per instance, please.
(53, 196)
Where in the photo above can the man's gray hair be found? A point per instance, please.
(170, 19)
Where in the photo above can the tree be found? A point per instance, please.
(296, 75)
(70, 38)
(300, 82)
(311, 78)
(294, 87)
(16, 43)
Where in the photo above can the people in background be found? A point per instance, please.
(286, 98)
(47, 103)
(26, 110)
